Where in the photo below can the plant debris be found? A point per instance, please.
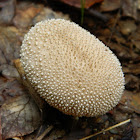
(116, 23)
(19, 116)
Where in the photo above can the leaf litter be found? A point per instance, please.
(120, 32)
(19, 116)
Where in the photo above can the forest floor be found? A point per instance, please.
(116, 24)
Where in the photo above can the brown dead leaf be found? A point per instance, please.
(110, 5)
(130, 8)
(56, 134)
(138, 4)
(128, 132)
(135, 39)
(132, 83)
(123, 52)
(138, 133)
(136, 125)
(48, 13)
(7, 11)
(19, 116)
(10, 88)
(132, 100)
(132, 68)
(9, 44)
(25, 14)
(2, 58)
(0, 130)
(119, 116)
(135, 102)
(127, 27)
(77, 3)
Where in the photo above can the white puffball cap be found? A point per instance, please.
(71, 69)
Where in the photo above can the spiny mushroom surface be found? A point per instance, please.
(71, 69)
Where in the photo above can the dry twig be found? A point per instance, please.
(109, 128)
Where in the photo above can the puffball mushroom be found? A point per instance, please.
(71, 69)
